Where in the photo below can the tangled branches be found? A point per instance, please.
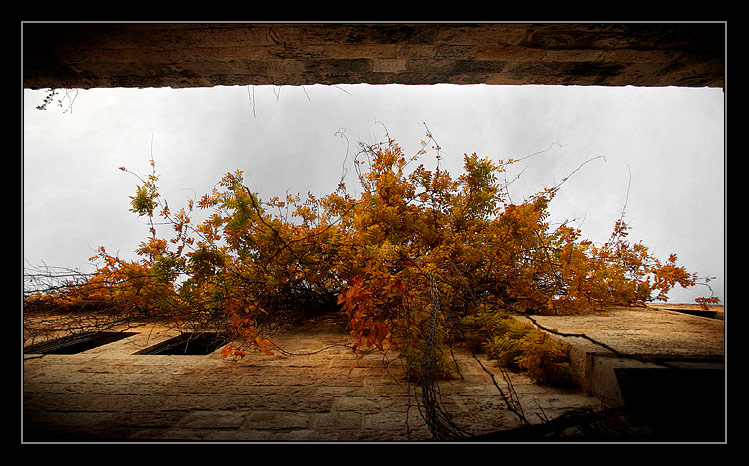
(70, 96)
(435, 415)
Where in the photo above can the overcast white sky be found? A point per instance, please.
(671, 140)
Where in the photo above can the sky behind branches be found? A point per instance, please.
(662, 151)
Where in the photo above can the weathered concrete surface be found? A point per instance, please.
(109, 394)
(206, 55)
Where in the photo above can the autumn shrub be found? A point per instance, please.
(408, 259)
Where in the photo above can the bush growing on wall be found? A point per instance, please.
(417, 254)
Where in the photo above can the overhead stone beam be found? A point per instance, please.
(205, 55)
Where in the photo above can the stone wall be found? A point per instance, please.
(205, 55)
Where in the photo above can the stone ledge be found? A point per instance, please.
(668, 367)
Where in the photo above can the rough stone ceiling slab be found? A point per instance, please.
(88, 55)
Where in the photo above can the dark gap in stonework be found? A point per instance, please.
(77, 343)
(697, 312)
(191, 344)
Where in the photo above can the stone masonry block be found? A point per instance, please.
(276, 420)
(213, 420)
(356, 404)
(337, 421)
(373, 51)
(389, 66)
